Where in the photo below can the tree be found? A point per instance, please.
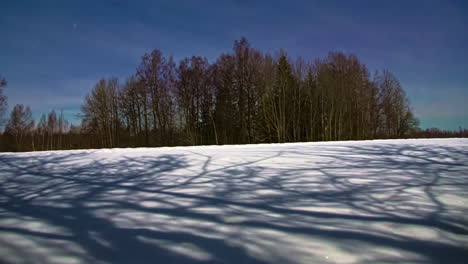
(157, 77)
(3, 100)
(131, 102)
(20, 125)
(397, 118)
(278, 99)
(194, 99)
(51, 128)
(101, 112)
(224, 105)
(41, 131)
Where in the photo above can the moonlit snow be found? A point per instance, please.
(386, 201)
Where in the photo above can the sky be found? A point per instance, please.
(52, 52)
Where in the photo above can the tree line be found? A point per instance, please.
(244, 96)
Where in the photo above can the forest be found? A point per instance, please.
(243, 97)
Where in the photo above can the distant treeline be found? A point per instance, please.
(438, 133)
(245, 96)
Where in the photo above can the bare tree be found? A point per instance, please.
(131, 104)
(225, 109)
(194, 98)
(396, 115)
(157, 76)
(101, 113)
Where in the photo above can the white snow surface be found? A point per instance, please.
(382, 201)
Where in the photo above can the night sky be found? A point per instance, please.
(53, 52)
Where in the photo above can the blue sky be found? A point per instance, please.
(52, 52)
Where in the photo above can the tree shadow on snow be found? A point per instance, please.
(191, 208)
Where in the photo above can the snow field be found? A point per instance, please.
(383, 201)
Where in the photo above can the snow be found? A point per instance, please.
(383, 201)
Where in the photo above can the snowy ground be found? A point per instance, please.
(401, 201)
